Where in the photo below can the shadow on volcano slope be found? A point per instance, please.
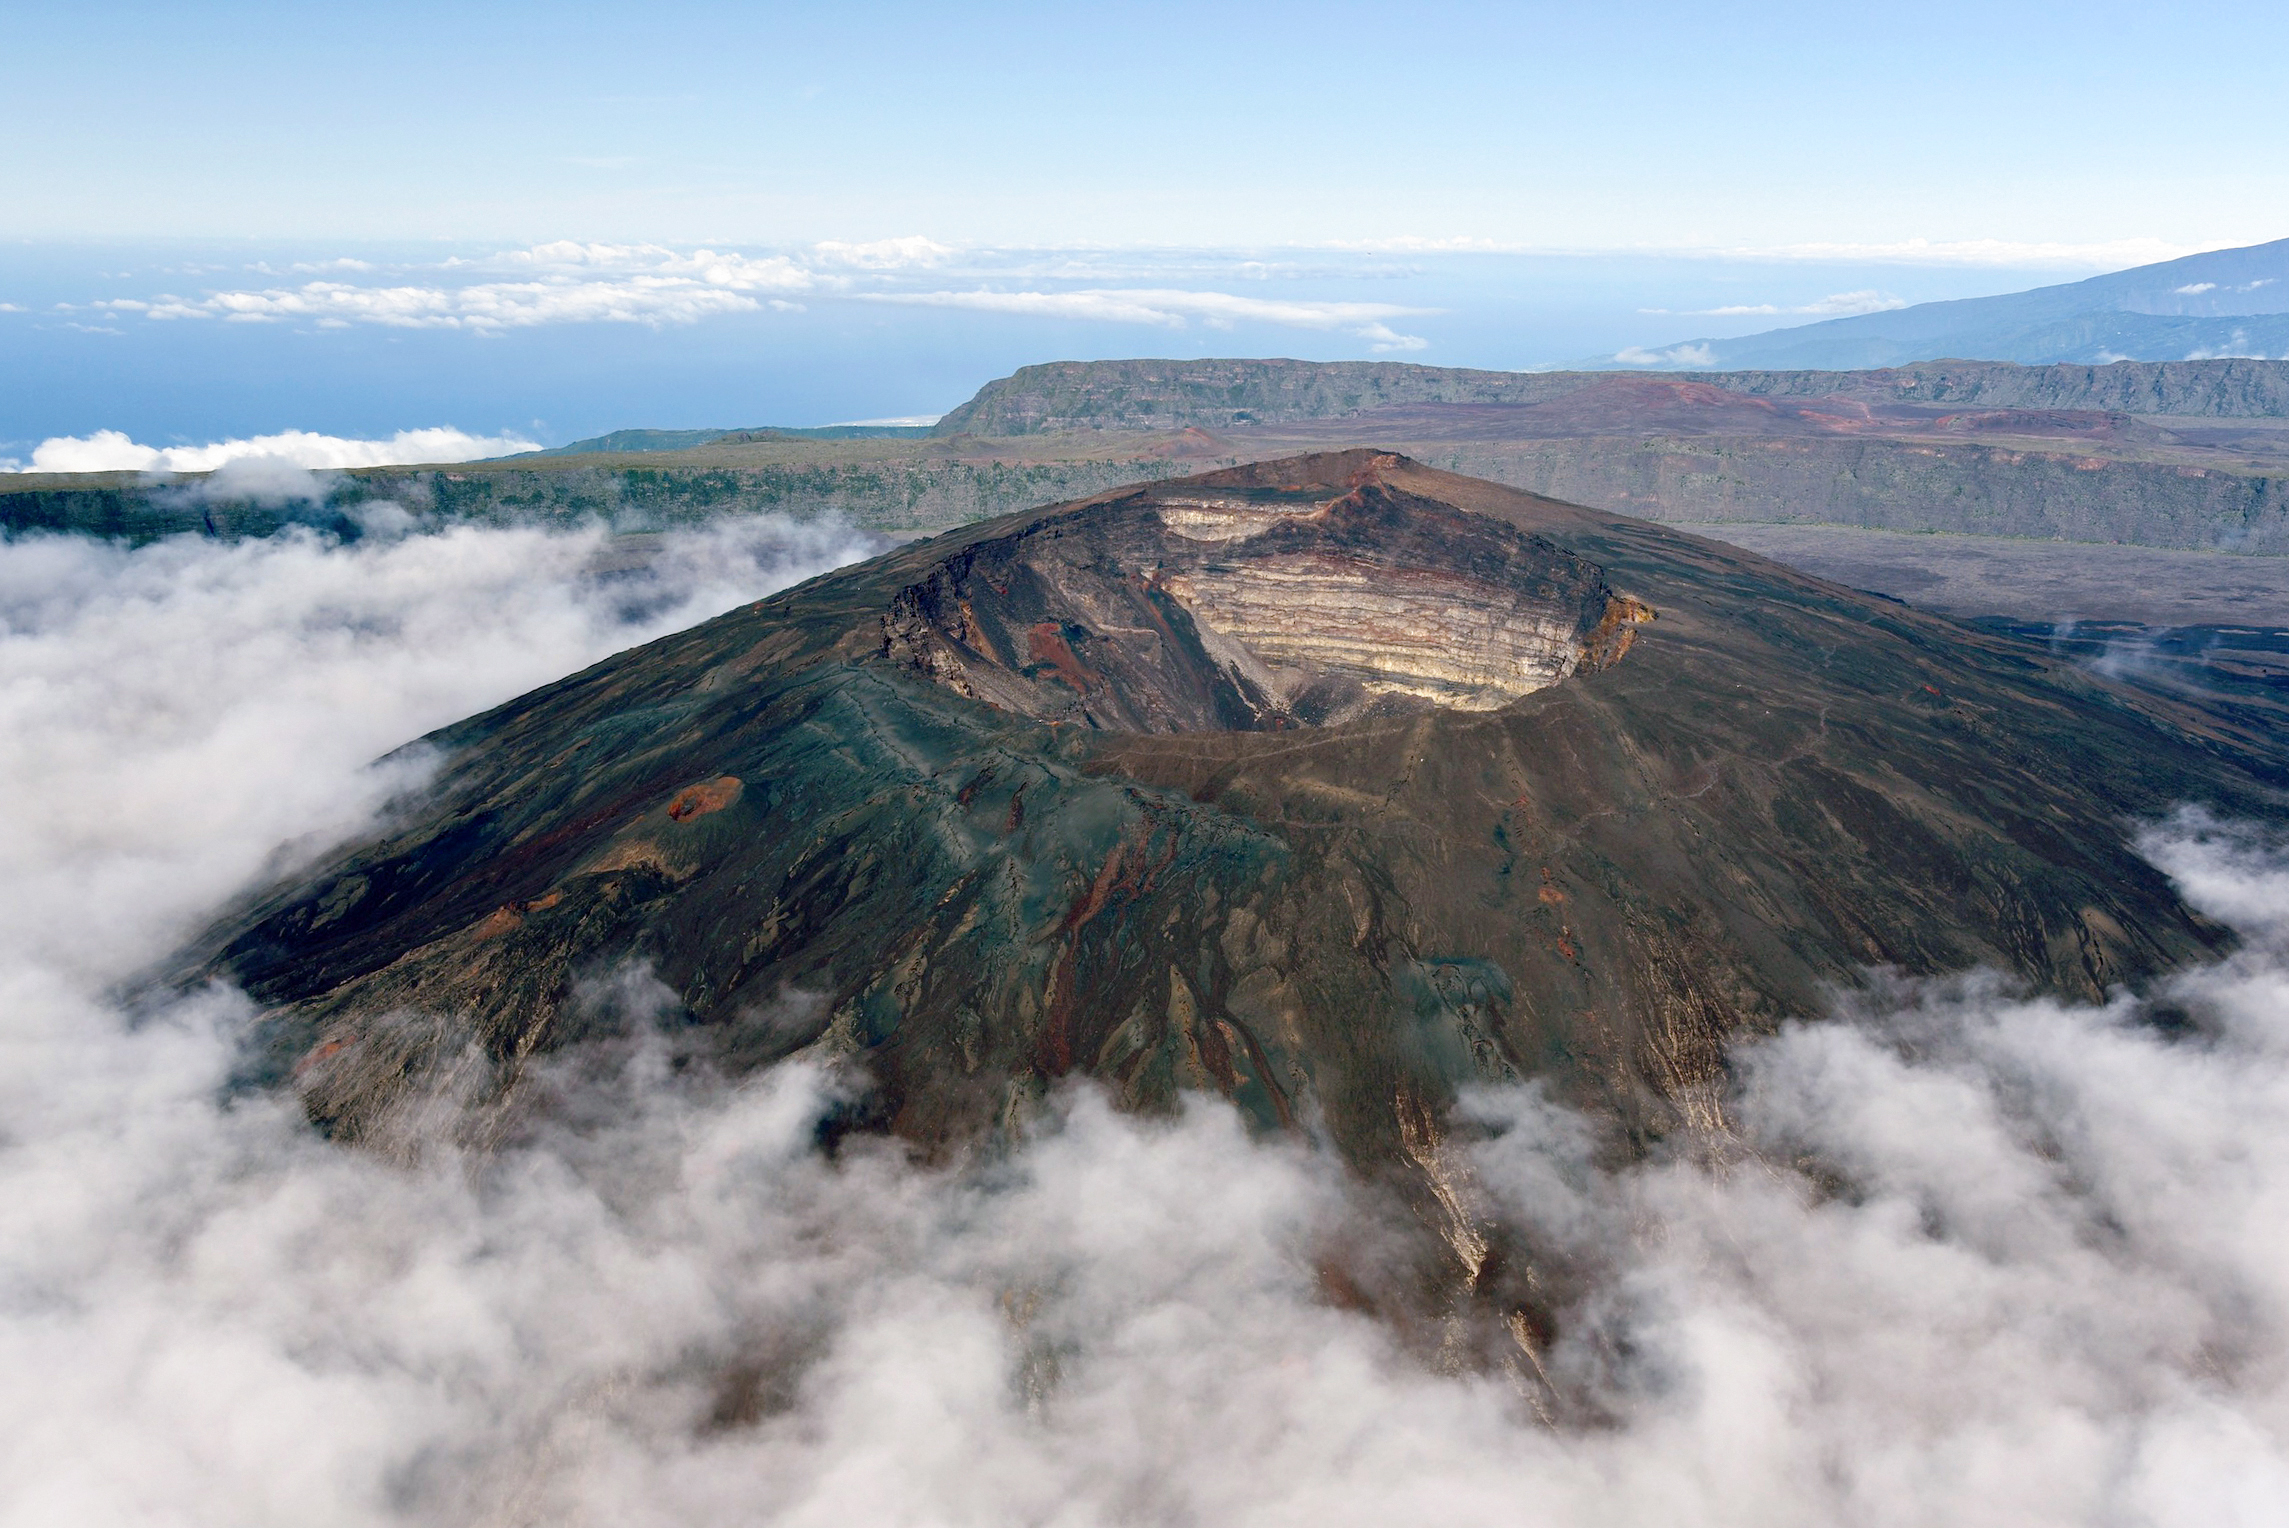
(1333, 785)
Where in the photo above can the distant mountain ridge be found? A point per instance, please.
(1227, 394)
(2227, 302)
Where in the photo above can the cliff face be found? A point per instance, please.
(895, 488)
(2183, 455)
(1224, 394)
(1219, 394)
(2231, 388)
(1956, 487)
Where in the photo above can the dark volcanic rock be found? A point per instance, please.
(1331, 785)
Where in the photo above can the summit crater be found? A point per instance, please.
(1251, 606)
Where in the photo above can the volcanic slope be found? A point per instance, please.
(1332, 785)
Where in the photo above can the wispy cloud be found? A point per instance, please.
(115, 451)
(581, 282)
(1835, 305)
(1407, 244)
(567, 281)
(2195, 289)
(570, 283)
(564, 281)
(2110, 254)
(2235, 348)
(912, 252)
(1175, 309)
(1675, 355)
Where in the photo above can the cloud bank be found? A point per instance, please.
(113, 451)
(567, 282)
(1964, 1258)
(572, 283)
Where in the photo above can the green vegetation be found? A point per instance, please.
(888, 484)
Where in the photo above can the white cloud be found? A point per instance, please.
(1835, 305)
(2235, 348)
(573, 281)
(270, 671)
(1403, 244)
(2109, 254)
(113, 451)
(1963, 1258)
(707, 267)
(2112, 254)
(912, 252)
(2195, 289)
(1174, 309)
(1689, 355)
(579, 283)
(260, 480)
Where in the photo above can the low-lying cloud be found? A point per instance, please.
(115, 451)
(2235, 348)
(1834, 305)
(1689, 354)
(569, 282)
(561, 282)
(1964, 1257)
(1175, 309)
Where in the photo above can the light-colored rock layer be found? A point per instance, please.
(1207, 519)
(1454, 641)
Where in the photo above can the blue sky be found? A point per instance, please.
(1567, 125)
(1518, 185)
